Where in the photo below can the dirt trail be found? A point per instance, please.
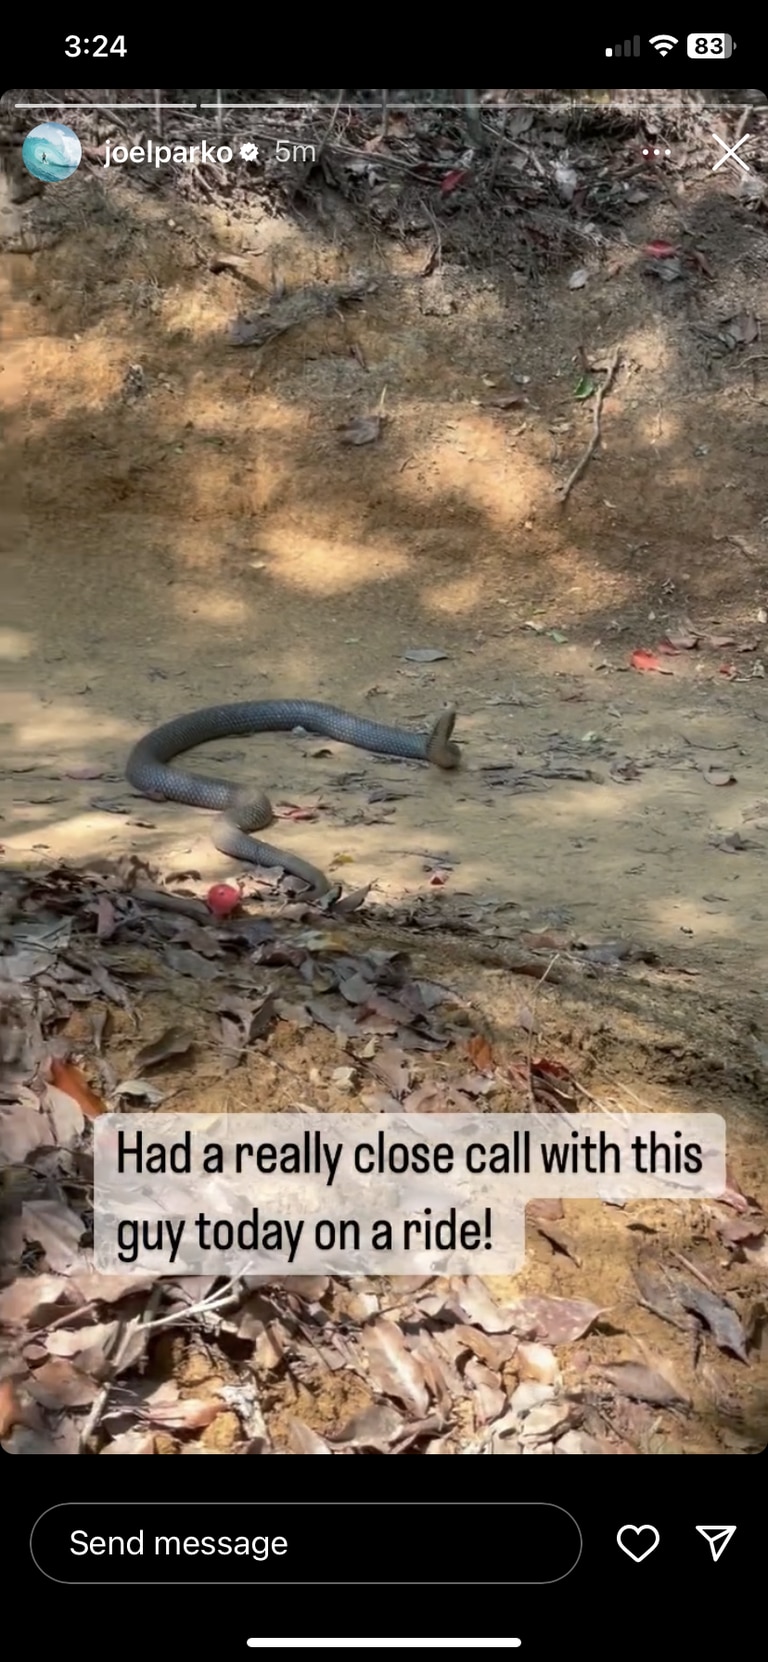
(185, 526)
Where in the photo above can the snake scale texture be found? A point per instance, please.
(242, 809)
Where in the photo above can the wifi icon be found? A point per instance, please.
(663, 44)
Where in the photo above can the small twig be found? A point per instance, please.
(403, 1303)
(94, 1418)
(226, 1298)
(474, 125)
(743, 122)
(319, 153)
(532, 1030)
(114, 120)
(699, 1274)
(206, 189)
(74, 1314)
(497, 152)
(582, 775)
(91, 1426)
(435, 255)
(740, 543)
(596, 432)
(621, 1117)
(641, 1103)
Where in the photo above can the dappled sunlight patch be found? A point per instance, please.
(61, 734)
(82, 372)
(655, 349)
(200, 312)
(216, 607)
(465, 455)
(651, 427)
(16, 644)
(462, 594)
(76, 836)
(327, 566)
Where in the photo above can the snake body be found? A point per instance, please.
(242, 809)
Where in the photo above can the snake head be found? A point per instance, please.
(441, 748)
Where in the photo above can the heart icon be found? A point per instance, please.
(637, 1530)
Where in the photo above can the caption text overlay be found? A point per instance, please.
(383, 1194)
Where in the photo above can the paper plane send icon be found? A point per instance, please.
(718, 1536)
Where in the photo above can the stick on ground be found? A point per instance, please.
(596, 433)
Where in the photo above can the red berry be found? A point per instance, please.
(223, 899)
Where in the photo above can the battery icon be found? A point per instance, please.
(707, 48)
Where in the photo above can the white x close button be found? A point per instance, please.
(730, 154)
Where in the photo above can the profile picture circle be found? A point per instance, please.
(51, 152)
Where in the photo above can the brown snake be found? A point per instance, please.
(242, 809)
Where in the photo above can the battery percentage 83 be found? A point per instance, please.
(704, 46)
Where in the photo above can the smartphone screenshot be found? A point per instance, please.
(383, 828)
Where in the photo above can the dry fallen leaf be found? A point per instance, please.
(537, 1362)
(57, 1229)
(554, 1321)
(188, 1414)
(174, 1042)
(558, 1239)
(719, 1316)
(734, 1196)
(90, 1345)
(394, 1069)
(35, 1300)
(363, 430)
(642, 1384)
(718, 776)
(95, 1287)
(65, 1114)
(131, 1442)
(393, 1370)
(11, 1411)
(505, 401)
(350, 902)
(547, 1210)
(306, 1441)
(680, 640)
(480, 1053)
(59, 1384)
(471, 1299)
(490, 1396)
(139, 1090)
(647, 661)
(185, 962)
(22, 1130)
(375, 1427)
(495, 1349)
(66, 1077)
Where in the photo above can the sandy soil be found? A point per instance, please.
(193, 530)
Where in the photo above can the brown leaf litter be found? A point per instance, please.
(305, 1003)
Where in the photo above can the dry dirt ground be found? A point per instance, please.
(184, 524)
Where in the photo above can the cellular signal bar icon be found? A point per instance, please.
(630, 49)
